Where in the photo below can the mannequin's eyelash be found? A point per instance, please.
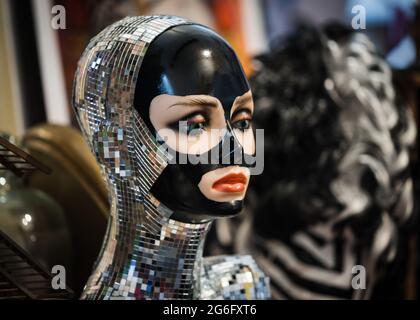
(175, 125)
(245, 110)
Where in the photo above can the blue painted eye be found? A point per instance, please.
(242, 124)
(196, 124)
(242, 120)
(195, 128)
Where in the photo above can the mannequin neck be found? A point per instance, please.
(147, 253)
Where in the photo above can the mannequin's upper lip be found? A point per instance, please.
(232, 178)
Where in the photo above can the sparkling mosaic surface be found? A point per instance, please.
(233, 278)
(145, 254)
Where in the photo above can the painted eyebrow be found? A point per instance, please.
(242, 104)
(205, 102)
(244, 99)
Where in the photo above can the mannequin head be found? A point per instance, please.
(191, 74)
(182, 90)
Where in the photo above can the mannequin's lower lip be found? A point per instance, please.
(234, 182)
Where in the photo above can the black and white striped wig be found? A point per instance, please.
(337, 138)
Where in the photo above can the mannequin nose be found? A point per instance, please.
(231, 151)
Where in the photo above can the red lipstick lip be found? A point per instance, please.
(233, 182)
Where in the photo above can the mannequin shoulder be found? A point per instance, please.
(233, 278)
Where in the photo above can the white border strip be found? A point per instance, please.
(52, 75)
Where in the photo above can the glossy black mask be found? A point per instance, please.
(174, 64)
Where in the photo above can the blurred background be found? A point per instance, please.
(38, 62)
(42, 40)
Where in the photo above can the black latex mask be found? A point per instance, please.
(174, 64)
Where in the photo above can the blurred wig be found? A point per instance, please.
(336, 138)
(336, 186)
